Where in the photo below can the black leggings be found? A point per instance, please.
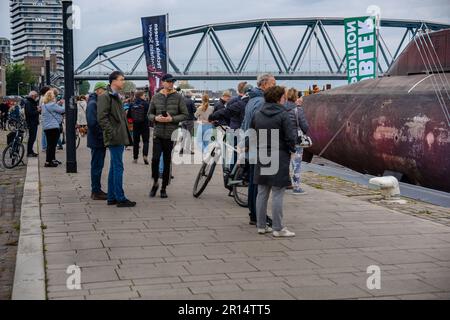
(140, 129)
(52, 136)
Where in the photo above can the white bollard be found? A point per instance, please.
(389, 187)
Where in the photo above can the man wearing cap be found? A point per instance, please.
(167, 110)
(95, 143)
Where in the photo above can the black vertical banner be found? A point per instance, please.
(155, 48)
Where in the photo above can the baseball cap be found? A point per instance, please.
(101, 85)
(169, 78)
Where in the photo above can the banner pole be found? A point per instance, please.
(167, 43)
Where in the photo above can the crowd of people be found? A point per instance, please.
(10, 109)
(113, 122)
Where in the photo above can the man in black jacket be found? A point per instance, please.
(234, 115)
(32, 112)
(221, 104)
(235, 110)
(141, 125)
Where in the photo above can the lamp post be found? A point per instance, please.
(69, 86)
(42, 77)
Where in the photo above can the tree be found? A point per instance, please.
(129, 87)
(19, 75)
(185, 85)
(84, 87)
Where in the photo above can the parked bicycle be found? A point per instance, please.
(235, 180)
(77, 137)
(14, 123)
(13, 155)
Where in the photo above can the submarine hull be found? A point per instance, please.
(386, 124)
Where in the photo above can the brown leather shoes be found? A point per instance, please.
(99, 196)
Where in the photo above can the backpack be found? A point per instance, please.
(138, 113)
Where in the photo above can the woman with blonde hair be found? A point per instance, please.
(52, 116)
(204, 128)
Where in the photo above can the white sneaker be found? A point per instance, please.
(285, 233)
(266, 230)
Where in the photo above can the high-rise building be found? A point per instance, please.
(36, 25)
(5, 51)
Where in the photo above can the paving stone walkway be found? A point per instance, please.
(11, 191)
(186, 248)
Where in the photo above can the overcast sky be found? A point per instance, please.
(104, 22)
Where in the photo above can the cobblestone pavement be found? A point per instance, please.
(11, 191)
(413, 207)
(186, 248)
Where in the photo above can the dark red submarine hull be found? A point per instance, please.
(397, 124)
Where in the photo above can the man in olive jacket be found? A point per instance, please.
(167, 110)
(112, 120)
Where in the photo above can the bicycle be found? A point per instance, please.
(13, 155)
(77, 137)
(235, 180)
(12, 123)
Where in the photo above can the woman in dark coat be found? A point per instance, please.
(272, 169)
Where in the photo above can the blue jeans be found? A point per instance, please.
(97, 163)
(115, 178)
(204, 132)
(296, 166)
(161, 164)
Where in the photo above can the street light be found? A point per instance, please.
(42, 77)
(69, 87)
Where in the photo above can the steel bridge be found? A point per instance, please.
(285, 68)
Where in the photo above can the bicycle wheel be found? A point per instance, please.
(240, 187)
(204, 176)
(13, 155)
